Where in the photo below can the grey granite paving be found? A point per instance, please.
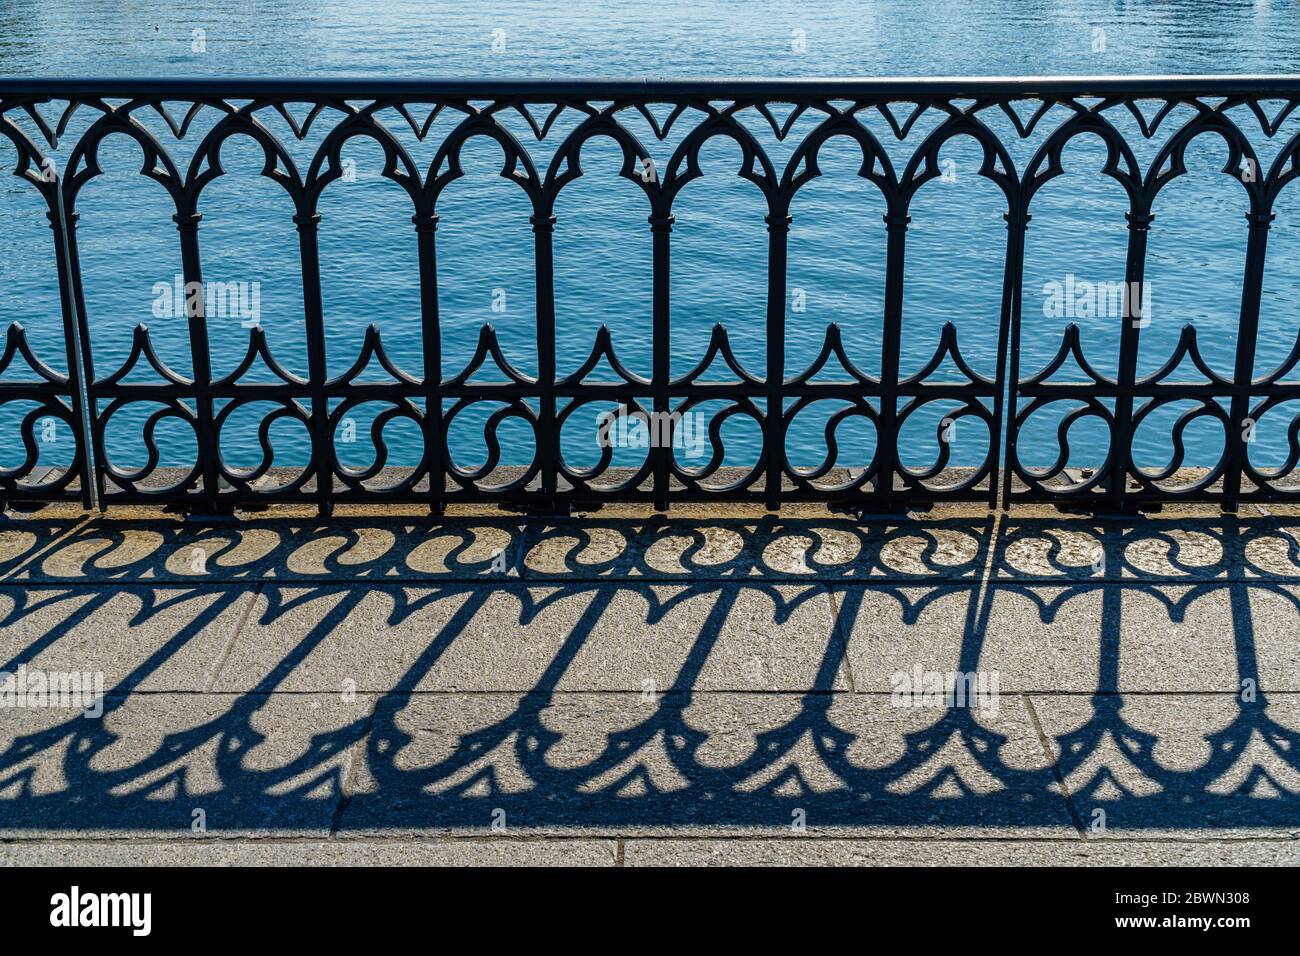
(147, 638)
(836, 852)
(1167, 763)
(716, 686)
(1129, 638)
(511, 637)
(489, 851)
(177, 765)
(708, 763)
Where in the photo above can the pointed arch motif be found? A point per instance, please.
(491, 392)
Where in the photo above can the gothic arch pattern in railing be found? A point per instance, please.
(1041, 116)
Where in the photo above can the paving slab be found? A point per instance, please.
(382, 544)
(831, 546)
(715, 685)
(1166, 547)
(338, 638)
(832, 852)
(1178, 764)
(744, 637)
(385, 547)
(705, 764)
(495, 851)
(1078, 639)
(170, 763)
(166, 548)
(150, 638)
(512, 637)
(24, 539)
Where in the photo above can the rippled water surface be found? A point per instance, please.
(128, 244)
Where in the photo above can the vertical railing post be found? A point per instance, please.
(661, 227)
(1008, 367)
(1139, 224)
(1244, 368)
(187, 224)
(548, 437)
(317, 374)
(778, 233)
(890, 355)
(426, 223)
(81, 371)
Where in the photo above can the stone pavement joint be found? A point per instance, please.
(214, 672)
(1053, 763)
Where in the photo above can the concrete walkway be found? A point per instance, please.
(621, 688)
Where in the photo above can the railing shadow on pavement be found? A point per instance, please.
(549, 758)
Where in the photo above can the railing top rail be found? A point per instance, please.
(604, 88)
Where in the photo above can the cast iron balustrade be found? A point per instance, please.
(34, 114)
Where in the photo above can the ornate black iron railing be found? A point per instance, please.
(35, 114)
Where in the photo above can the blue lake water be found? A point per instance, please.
(128, 244)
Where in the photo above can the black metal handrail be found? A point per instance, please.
(86, 400)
